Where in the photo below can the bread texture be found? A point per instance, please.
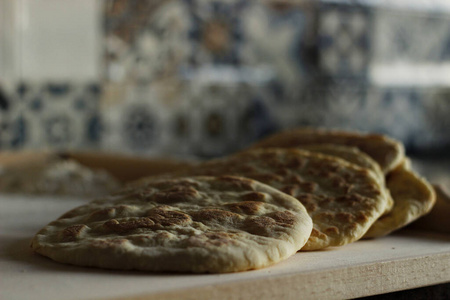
(355, 156)
(197, 224)
(413, 197)
(342, 199)
(387, 152)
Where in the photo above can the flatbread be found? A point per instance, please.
(354, 156)
(413, 197)
(198, 224)
(387, 152)
(342, 199)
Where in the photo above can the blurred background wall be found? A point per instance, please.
(202, 78)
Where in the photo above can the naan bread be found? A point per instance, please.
(354, 156)
(388, 153)
(342, 199)
(198, 224)
(413, 197)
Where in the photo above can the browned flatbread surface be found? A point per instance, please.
(387, 152)
(196, 224)
(413, 197)
(342, 199)
(355, 156)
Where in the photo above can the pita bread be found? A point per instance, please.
(413, 197)
(198, 224)
(388, 153)
(342, 199)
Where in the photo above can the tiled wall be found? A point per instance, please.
(204, 78)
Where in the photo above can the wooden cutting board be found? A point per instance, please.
(405, 260)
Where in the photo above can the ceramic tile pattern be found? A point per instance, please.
(205, 78)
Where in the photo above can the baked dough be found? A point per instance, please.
(197, 224)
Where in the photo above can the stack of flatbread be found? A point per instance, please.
(305, 189)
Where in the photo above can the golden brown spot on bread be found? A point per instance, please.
(156, 218)
(310, 207)
(290, 189)
(128, 225)
(247, 207)
(294, 179)
(305, 198)
(283, 218)
(344, 217)
(176, 194)
(74, 231)
(362, 218)
(308, 187)
(259, 225)
(308, 201)
(317, 234)
(253, 196)
(325, 216)
(332, 230)
(350, 200)
(215, 215)
(165, 217)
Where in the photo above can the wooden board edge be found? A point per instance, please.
(341, 283)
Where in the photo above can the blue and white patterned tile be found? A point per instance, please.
(136, 124)
(44, 115)
(143, 45)
(344, 35)
(215, 33)
(405, 37)
(277, 35)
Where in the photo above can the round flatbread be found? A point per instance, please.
(413, 197)
(342, 199)
(198, 224)
(387, 152)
